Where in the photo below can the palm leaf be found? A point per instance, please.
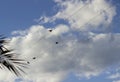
(9, 61)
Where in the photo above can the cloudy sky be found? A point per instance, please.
(83, 46)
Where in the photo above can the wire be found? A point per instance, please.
(92, 20)
(75, 12)
(94, 17)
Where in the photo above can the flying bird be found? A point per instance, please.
(9, 60)
(34, 57)
(28, 62)
(50, 30)
(56, 42)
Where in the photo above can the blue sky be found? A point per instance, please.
(16, 15)
(21, 15)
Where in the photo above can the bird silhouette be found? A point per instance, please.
(28, 62)
(56, 42)
(34, 57)
(50, 30)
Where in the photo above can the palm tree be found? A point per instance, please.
(9, 60)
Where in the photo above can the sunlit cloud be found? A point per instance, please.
(72, 48)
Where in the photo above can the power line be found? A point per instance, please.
(92, 20)
(94, 17)
(76, 12)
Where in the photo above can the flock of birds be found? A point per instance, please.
(9, 60)
(50, 30)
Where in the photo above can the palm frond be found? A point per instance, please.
(9, 60)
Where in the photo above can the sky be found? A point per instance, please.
(87, 32)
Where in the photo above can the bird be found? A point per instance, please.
(9, 60)
(28, 62)
(56, 42)
(34, 57)
(50, 30)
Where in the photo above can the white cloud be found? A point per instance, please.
(42, 19)
(117, 81)
(83, 53)
(6, 76)
(115, 76)
(82, 14)
(84, 57)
